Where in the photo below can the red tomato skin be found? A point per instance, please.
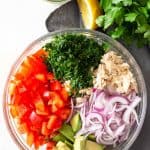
(55, 85)
(50, 145)
(35, 120)
(63, 113)
(50, 76)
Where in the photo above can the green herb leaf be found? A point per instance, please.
(106, 4)
(118, 32)
(147, 34)
(142, 29)
(127, 2)
(143, 10)
(116, 1)
(100, 21)
(130, 17)
(110, 17)
(148, 4)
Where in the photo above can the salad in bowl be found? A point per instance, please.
(75, 90)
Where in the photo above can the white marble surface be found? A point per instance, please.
(21, 22)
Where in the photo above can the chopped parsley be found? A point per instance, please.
(73, 57)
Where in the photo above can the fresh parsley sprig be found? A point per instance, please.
(128, 20)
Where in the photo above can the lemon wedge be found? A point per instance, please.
(90, 10)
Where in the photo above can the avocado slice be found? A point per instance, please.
(66, 131)
(92, 137)
(93, 145)
(59, 137)
(62, 146)
(76, 122)
(79, 143)
(68, 143)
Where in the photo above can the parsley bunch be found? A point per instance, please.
(72, 57)
(128, 20)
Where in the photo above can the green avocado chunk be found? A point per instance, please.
(59, 137)
(68, 143)
(62, 146)
(66, 130)
(92, 137)
(90, 145)
(76, 122)
(79, 143)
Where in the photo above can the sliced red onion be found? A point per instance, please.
(94, 118)
(118, 99)
(91, 101)
(100, 100)
(98, 109)
(109, 118)
(94, 127)
(121, 108)
(71, 113)
(79, 106)
(109, 130)
(131, 96)
(119, 131)
(135, 102)
(83, 115)
(89, 129)
(127, 115)
(113, 109)
(125, 134)
(105, 139)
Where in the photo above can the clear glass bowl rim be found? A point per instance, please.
(103, 37)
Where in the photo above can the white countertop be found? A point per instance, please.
(21, 22)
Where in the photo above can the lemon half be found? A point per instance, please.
(90, 10)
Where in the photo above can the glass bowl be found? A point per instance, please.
(100, 38)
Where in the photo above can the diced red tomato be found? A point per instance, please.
(22, 128)
(63, 113)
(46, 95)
(43, 113)
(52, 121)
(56, 100)
(13, 111)
(25, 98)
(55, 85)
(22, 110)
(40, 53)
(23, 72)
(38, 141)
(32, 83)
(50, 76)
(39, 102)
(35, 121)
(50, 145)
(30, 138)
(64, 94)
(40, 77)
(12, 87)
(58, 125)
(44, 129)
